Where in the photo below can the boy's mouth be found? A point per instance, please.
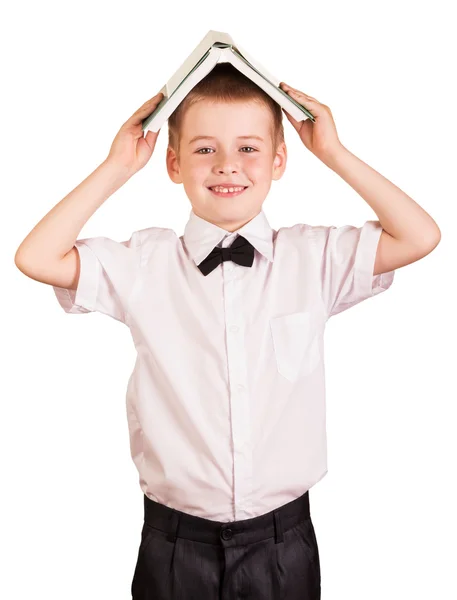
(227, 194)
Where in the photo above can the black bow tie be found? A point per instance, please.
(240, 252)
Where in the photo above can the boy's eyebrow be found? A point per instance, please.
(211, 137)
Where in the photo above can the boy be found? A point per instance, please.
(226, 404)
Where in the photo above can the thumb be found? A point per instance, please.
(151, 138)
(295, 124)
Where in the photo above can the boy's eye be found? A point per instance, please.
(199, 151)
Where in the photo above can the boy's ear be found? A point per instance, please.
(280, 161)
(173, 166)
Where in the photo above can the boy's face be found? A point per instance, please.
(226, 158)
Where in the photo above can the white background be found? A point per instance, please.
(72, 73)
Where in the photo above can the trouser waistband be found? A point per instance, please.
(179, 524)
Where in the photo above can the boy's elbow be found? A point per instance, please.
(26, 263)
(23, 264)
(18, 260)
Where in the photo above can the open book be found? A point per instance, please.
(217, 47)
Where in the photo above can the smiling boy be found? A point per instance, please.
(226, 404)
(201, 134)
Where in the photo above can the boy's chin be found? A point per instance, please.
(228, 209)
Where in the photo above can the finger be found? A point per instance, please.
(147, 108)
(150, 103)
(305, 100)
(298, 96)
(289, 88)
(295, 123)
(297, 93)
(151, 138)
(293, 91)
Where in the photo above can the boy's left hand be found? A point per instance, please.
(321, 137)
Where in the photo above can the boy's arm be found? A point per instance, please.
(48, 254)
(409, 232)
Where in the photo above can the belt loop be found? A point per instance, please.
(278, 528)
(174, 524)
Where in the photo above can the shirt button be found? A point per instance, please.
(227, 534)
(234, 328)
(240, 387)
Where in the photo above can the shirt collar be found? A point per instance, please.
(201, 236)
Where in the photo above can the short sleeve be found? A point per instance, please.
(107, 275)
(345, 258)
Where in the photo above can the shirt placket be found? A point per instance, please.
(238, 385)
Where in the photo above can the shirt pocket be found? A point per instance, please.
(296, 344)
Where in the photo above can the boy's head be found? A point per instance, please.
(226, 105)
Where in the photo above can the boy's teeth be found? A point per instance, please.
(231, 189)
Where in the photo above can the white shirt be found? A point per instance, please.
(226, 403)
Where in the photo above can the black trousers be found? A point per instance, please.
(270, 557)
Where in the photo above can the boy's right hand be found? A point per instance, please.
(131, 150)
